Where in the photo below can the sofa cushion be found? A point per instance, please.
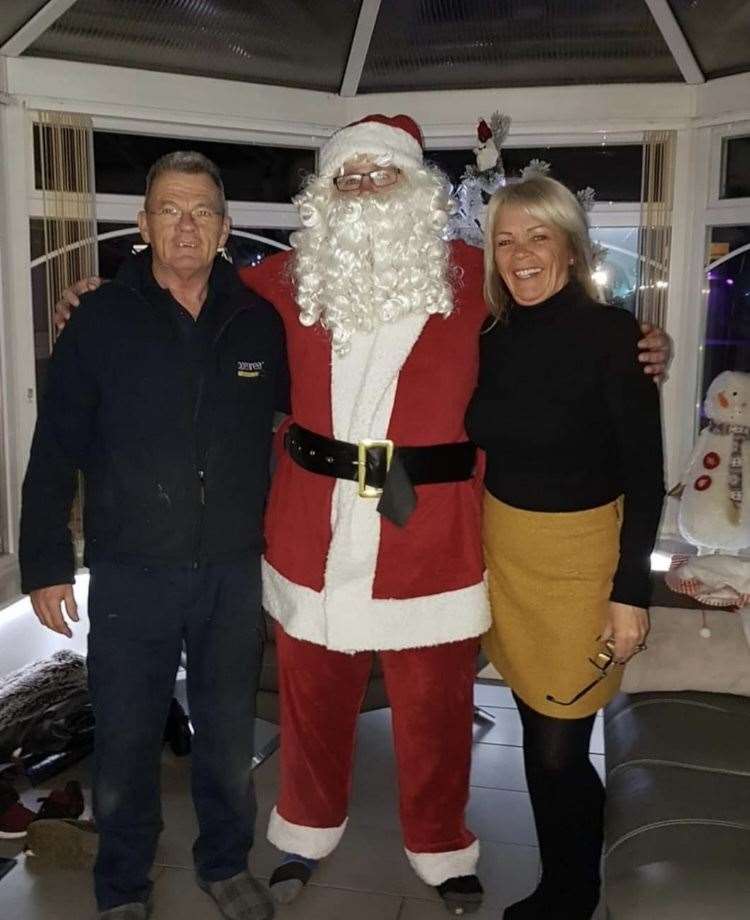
(678, 807)
(680, 872)
(710, 731)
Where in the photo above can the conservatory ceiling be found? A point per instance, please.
(365, 46)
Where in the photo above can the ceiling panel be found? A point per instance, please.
(16, 13)
(284, 42)
(438, 44)
(718, 31)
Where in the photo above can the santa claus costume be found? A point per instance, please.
(382, 319)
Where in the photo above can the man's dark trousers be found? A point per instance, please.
(140, 618)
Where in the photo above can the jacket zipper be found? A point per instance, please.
(200, 462)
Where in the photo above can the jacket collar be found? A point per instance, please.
(225, 288)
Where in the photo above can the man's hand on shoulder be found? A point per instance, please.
(48, 603)
(656, 350)
(70, 299)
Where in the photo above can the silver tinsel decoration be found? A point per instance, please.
(479, 182)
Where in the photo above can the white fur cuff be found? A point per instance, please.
(310, 842)
(436, 868)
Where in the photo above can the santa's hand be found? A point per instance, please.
(656, 350)
(69, 299)
(628, 626)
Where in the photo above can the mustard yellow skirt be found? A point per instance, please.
(550, 578)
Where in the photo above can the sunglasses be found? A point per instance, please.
(602, 662)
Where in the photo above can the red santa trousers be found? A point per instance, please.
(430, 691)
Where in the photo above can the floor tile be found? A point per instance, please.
(598, 761)
(35, 892)
(508, 873)
(597, 737)
(320, 903)
(493, 694)
(177, 896)
(506, 730)
(501, 816)
(498, 766)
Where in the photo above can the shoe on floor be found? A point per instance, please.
(63, 803)
(240, 897)
(15, 819)
(64, 842)
(135, 911)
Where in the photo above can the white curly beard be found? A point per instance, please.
(364, 260)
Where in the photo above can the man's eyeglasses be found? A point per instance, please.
(380, 178)
(171, 214)
(602, 662)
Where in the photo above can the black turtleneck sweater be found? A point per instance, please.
(569, 421)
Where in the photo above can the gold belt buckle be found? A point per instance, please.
(363, 446)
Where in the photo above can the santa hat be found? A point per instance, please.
(398, 137)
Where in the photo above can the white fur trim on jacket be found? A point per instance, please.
(375, 624)
(373, 138)
(310, 842)
(436, 868)
(344, 616)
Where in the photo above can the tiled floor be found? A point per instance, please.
(367, 878)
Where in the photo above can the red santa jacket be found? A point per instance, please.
(439, 550)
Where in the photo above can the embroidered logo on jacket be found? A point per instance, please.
(249, 368)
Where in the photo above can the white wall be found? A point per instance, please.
(158, 103)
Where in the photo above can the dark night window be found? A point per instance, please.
(251, 172)
(614, 170)
(735, 180)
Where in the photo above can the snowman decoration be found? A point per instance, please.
(714, 510)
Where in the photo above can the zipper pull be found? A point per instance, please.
(202, 480)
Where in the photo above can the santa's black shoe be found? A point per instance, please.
(289, 878)
(462, 894)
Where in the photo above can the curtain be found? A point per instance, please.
(655, 231)
(64, 160)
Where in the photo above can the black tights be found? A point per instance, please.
(567, 797)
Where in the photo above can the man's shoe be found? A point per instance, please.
(135, 911)
(62, 803)
(14, 821)
(240, 897)
(67, 843)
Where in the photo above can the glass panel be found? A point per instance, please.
(246, 251)
(619, 280)
(17, 14)
(614, 171)
(735, 181)
(250, 172)
(432, 45)
(727, 337)
(282, 42)
(718, 33)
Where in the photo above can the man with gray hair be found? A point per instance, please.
(162, 390)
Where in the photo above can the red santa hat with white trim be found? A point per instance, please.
(397, 137)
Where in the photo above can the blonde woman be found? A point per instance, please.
(574, 488)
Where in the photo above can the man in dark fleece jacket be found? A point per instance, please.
(161, 391)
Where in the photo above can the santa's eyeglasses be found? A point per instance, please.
(380, 178)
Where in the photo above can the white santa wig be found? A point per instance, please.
(365, 259)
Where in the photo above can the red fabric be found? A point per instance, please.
(439, 549)
(321, 694)
(484, 132)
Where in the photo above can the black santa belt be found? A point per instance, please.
(381, 469)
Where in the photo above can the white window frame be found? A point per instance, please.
(719, 135)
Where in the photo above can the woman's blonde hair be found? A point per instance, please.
(549, 202)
